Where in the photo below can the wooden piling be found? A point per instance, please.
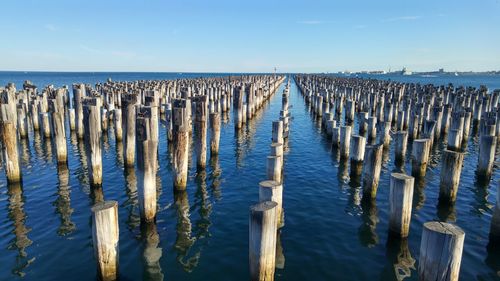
(105, 236)
(420, 157)
(371, 170)
(450, 175)
(345, 141)
(92, 137)
(180, 143)
(440, 252)
(215, 123)
(400, 203)
(10, 152)
(262, 241)
(128, 127)
(401, 141)
(273, 191)
(487, 147)
(357, 155)
(200, 128)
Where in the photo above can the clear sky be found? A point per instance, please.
(249, 36)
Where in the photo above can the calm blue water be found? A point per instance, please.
(45, 224)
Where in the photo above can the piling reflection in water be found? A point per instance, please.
(21, 241)
(446, 212)
(184, 241)
(25, 152)
(47, 149)
(215, 177)
(401, 264)
(63, 202)
(280, 255)
(367, 231)
(152, 252)
(37, 144)
(132, 203)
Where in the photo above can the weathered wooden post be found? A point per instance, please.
(72, 119)
(180, 143)
(345, 141)
(277, 133)
(455, 139)
(335, 137)
(105, 236)
(450, 175)
(487, 147)
(401, 141)
(92, 125)
(22, 121)
(200, 128)
(371, 170)
(385, 138)
(357, 155)
(372, 128)
(10, 152)
(59, 136)
(147, 148)
(128, 127)
(78, 94)
(273, 191)
(274, 168)
(118, 124)
(420, 157)
(45, 120)
(400, 203)
(262, 241)
(215, 123)
(440, 251)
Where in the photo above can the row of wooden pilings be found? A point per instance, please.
(422, 114)
(267, 217)
(135, 108)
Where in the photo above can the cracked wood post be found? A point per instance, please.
(105, 237)
(455, 139)
(200, 128)
(371, 170)
(440, 252)
(215, 124)
(400, 203)
(420, 157)
(147, 148)
(92, 124)
(357, 155)
(128, 127)
(273, 191)
(372, 128)
(10, 152)
(262, 241)
(180, 143)
(450, 175)
(274, 168)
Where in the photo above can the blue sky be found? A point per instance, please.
(249, 36)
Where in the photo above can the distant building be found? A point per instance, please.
(406, 71)
(441, 70)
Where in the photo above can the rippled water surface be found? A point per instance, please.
(202, 234)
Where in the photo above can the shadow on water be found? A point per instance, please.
(367, 231)
(280, 255)
(25, 152)
(400, 263)
(63, 202)
(419, 193)
(21, 240)
(480, 190)
(151, 252)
